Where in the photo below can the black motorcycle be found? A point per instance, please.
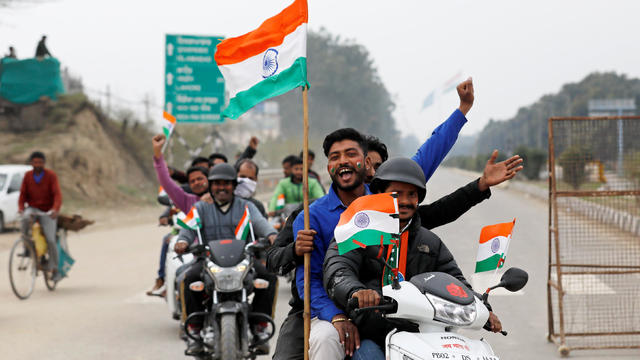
(228, 330)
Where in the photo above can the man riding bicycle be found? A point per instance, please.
(40, 198)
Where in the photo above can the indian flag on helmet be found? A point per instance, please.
(191, 220)
(243, 230)
(168, 124)
(494, 242)
(369, 220)
(266, 62)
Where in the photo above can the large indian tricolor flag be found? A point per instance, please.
(369, 220)
(493, 246)
(266, 62)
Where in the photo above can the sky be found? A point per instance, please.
(516, 51)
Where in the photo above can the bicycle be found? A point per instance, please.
(25, 261)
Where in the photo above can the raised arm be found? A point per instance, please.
(433, 151)
(180, 198)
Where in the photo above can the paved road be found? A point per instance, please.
(101, 312)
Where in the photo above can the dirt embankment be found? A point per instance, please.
(99, 162)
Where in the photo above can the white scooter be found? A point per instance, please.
(440, 305)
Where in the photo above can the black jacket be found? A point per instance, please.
(281, 257)
(361, 269)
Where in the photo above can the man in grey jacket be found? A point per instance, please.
(219, 221)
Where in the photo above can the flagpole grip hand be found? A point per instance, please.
(158, 142)
(304, 242)
(466, 95)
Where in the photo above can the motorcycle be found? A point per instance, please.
(440, 305)
(228, 280)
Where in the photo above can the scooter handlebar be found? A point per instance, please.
(387, 306)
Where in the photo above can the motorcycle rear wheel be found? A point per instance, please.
(229, 339)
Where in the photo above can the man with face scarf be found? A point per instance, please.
(247, 171)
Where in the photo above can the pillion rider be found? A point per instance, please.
(361, 273)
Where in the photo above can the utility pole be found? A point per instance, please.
(108, 94)
(147, 104)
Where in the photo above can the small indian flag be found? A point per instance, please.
(243, 230)
(168, 124)
(265, 62)
(369, 220)
(280, 202)
(161, 192)
(191, 220)
(494, 242)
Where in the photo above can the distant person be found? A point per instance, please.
(286, 165)
(40, 196)
(41, 50)
(217, 158)
(291, 188)
(313, 173)
(12, 53)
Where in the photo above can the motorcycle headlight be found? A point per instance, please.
(228, 279)
(451, 313)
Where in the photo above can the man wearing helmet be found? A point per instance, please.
(219, 220)
(358, 273)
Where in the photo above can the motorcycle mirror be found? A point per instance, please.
(164, 200)
(253, 247)
(514, 279)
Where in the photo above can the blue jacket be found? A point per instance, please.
(325, 212)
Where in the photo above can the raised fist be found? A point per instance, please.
(465, 92)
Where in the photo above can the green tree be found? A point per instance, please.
(573, 161)
(533, 160)
(529, 127)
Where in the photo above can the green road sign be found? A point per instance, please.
(193, 84)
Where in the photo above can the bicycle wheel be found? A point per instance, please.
(22, 268)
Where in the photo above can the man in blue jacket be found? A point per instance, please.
(429, 156)
(332, 335)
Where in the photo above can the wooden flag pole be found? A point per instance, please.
(305, 204)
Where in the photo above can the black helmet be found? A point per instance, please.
(402, 170)
(223, 171)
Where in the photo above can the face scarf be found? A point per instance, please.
(245, 188)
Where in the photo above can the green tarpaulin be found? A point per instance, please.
(25, 81)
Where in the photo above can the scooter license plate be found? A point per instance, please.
(453, 356)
